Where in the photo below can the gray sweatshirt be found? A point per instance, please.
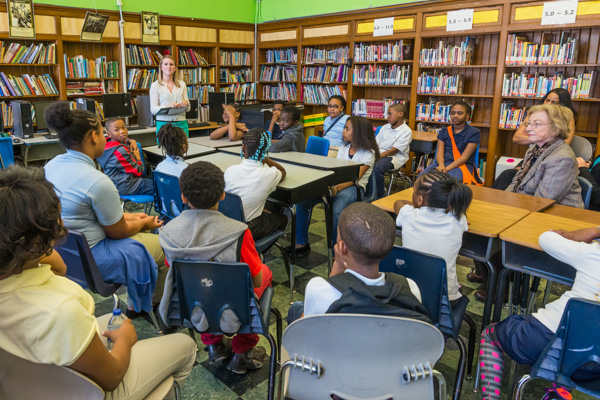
(290, 140)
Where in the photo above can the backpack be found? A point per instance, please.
(393, 299)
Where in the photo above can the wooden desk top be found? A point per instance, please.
(529, 203)
(212, 125)
(207, 141)
(425, 136)
(527, 231)
(578, 214)
(485, 218)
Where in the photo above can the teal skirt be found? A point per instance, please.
(181, 124)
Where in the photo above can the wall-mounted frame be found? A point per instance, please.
(150, 27)
(20, 19)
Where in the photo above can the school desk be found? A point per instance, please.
(578, 214)
(518, 200)
(208, 142)
(522, 253)
(486, 222)
(154, 154)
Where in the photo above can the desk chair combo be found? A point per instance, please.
(168, 202)
(396, 174)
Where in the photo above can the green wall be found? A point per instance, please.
(224, 10)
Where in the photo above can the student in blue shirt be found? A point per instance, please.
(335, 122)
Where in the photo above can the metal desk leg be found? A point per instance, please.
(502, 278)
(491, 284)
(328, 209)
(25, 154)
(293, 237)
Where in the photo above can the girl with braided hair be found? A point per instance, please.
(435, 221)
(253, 180)
(173, 141)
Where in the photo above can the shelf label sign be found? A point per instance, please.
(383, 26)
(559, 12)
(460, 20)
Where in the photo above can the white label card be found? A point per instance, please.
(461, 20)
(559, 12)
(383, 26)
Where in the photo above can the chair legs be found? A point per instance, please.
(398, 175)
(520, 387)
(289, 267)
(177, 390)
(155, 322)
(471, 344)
(272, 367)
(460, 372)
(115, 301)
(279, 326)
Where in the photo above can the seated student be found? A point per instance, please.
(456, 146)
(233, 129)
(394, 142)
(49, 319)
(173, 141)
(435, 221)
(122, 162)
(334, 124)
(366, 235)
(292, 132)
(201, 232)
(524, 337)
(593, 176)
(273, 124)
(254, 179)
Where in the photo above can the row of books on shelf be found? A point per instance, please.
(320, 94)
(380, 75)
(197, 75)
(537, 85)
(435, 111)
(325, 74)
(424, 127)
(27, 85)
(510, 116)
(521, 51)
(89, 88)
(191, 57)
(80, 67)
(441, 83)
(446, 54)
(243, 91)
(318, 56)
(234, 58)
(141, 78)
(282, 56)
(398, 51)
(16, 53)
(372, 108)
(235, 76)
(278, 73)
(200, 92)
(280, 91)
(137, 55)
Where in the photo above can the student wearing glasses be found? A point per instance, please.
(335, 122)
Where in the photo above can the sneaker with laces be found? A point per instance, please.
(219, 351)
(252, 359)
(557, 393)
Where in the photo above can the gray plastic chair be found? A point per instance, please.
(356, 356)
(582, 147)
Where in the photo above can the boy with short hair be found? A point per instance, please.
(292, 132)
(273, 124)
(122, 161)
(394, 142)
(366, 235)
(200, 233)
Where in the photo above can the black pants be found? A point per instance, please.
(505, 179)
(266, 223)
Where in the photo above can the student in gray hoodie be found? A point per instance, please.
(292, 132)
(200, 233)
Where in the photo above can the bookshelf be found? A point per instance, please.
(141, 64)
(236, 74)
(278, 74)
(197, 66)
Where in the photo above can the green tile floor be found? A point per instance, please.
(216, 383)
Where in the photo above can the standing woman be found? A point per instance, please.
(336, 121)
(169, 91)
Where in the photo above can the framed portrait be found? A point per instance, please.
(150, 27)
(93, 27)
(20, 19)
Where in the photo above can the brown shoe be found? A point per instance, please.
(481, 295)
(473, 277)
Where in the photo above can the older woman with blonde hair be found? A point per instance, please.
(550, 168)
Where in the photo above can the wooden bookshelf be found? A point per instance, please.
(283, 89)
(237, 61)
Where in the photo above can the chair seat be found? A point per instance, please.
(263, 244)
(139, 198)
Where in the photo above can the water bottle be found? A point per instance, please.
(115, 322)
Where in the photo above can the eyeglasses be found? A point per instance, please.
(534, 125)
(333, 106)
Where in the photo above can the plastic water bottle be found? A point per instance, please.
(115, 322)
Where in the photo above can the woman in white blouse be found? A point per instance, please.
(169, 91)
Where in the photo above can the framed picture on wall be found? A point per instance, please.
(20, 19)
(93, 27)
(150, 27)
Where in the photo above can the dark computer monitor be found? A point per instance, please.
(193, 113)
(40, 108)
(117, 105)
(215, 104)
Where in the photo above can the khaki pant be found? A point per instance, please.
(150, 242)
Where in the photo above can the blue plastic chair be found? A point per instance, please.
(576, 342)
(232, 207)
(144, 199)
(317, 145)
(370, 191)
(7, 156)
(168, 195)
(586, 191)
(429, 273)
(214, 287)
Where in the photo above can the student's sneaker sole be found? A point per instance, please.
(242, 362)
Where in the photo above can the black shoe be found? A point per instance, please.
(219, 351)
(473, 277)
(132, 314)
(242, 362)
(299, 250)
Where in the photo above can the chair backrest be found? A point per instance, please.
(477, 156)
(576, 342)
(7, 156)
(231, 206)
(52, 382)
(582, 147)
(168, 195)
(211, 288)
(586, 191)
(143, 160)
(377, 130)
(371, 190)
(81, 266)
(354, 369)
(317, 145)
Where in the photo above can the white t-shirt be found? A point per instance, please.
(398, 138)
(367, 157)
(173, 166)
(320, 295)
(161, 97)
(436, 232)
(253, 181)
(585, 258)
